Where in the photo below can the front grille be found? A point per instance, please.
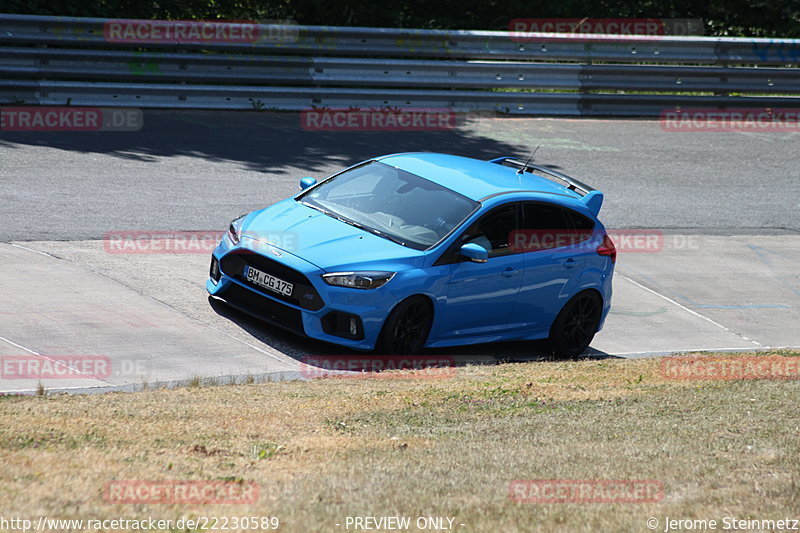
(303, 293)
(263, 308)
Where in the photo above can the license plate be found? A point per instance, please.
(262, 279)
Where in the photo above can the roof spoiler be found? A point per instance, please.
(591, 198)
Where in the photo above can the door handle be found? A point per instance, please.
(508, 272)
(570, 263)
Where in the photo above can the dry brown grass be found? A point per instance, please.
(329, 448)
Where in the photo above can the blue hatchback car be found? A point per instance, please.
(415, 250)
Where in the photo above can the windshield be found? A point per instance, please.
(395, 204)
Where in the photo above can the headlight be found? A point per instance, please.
(358, 280)
(235, 229)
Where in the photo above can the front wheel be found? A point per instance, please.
(576, 324)
(407, 327)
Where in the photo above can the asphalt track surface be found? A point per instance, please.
(195, 170)
(724, 202)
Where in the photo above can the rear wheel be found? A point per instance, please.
(576, 324)
(407, 327)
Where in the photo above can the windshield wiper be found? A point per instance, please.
(369, 229)
(355, 224)
(376, 232)
(320, 209)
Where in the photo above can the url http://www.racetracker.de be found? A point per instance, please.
(202, 523)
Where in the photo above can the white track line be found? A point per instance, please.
(688, 350)
(34, 251)
(12, 343)
(58, 363)
(693, 312)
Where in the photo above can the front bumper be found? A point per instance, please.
(340, 315)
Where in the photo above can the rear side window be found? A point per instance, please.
(541, 216)
(546, 226)
(580, 222)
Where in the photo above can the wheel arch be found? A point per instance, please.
(595, 290)
(429, 301)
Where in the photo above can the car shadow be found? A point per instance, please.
(321, 354)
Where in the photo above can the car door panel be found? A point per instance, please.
(481, 296)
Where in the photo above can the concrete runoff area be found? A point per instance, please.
(148, 314)
(106, 336)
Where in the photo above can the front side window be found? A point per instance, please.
(392, 203)
(494, 231)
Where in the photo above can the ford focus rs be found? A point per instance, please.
(423, 250)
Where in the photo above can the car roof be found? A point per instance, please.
(473, 178)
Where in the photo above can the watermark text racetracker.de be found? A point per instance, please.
(66, 118)
(200, 31)
(625, 240)
(380, 119)
(529, 29)
(55, 367)
(189, 241)
(730, 367)
(733, 119)
(73, 367)
(586, 491)
(181, 492)
(378, 367)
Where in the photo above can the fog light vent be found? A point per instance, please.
(214, 271)
(343, 325)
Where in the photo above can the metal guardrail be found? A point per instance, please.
(55, 60)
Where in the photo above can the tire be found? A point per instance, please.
(406, 329)
(576, 324)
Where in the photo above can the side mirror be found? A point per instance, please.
(474, 252)
(307, 182)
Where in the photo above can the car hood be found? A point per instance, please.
(324, 241)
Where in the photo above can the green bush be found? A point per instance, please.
(758, 18)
